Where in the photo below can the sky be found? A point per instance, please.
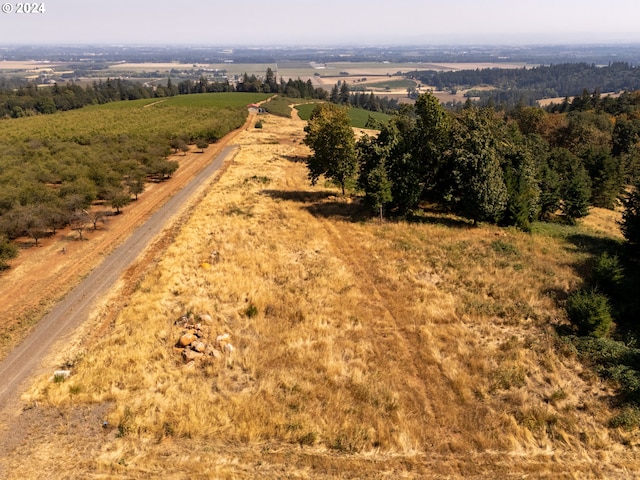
(326, 22)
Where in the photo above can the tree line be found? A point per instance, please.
(527, 85)
(19, 100)
(505, 167)
(342, 95)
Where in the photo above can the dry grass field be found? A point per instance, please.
(358, 349)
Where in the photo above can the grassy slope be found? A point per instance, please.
(358, 116)
(416, 350)
(165, 117)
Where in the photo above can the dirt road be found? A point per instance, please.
(24, 360)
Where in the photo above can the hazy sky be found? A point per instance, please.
(286, 22)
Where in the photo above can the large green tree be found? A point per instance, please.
(331, 138)
(431, 139)
(373, 178)
(476, 182)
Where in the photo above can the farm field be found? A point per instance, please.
(344, 348)
(286, 70)
(50, 274)
(358, 116)
(174, 116)
(295, 69)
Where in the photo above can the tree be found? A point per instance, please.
(522, 189)
(549, 184)
(118, 198)
(136, 183)
(331, 138)
(97, 216)
(396, 142)
(577, 194)
(631, 220)
(344, 95)
(432, 138)
(79, 221)
(7, 251)
(477, 183)
(373, 178)
(178, 144)
(54, 216)
(34, 224)
(334, 97)
(202, 144)
(378, 189)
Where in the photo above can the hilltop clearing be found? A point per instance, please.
(286, 334)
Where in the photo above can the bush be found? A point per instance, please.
(7, 251)
(251, 311)
(613, 360)
(608, 274)
(628, 419)
(590, 313)
(258, 124)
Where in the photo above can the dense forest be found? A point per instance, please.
(527, 85)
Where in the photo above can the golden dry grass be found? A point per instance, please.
(412, 350)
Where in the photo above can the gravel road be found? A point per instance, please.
(24, 361)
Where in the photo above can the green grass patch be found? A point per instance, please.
(358, 116)
(554, 230)
(304, 110)
(280, 106)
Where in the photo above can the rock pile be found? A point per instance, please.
(195, 342)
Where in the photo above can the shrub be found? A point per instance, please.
(590, 313)
(7, 250)
(628, 418)
(613, 360)
(251, 311)
(608, 274)
(258, 124)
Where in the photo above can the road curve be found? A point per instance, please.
(23, 361)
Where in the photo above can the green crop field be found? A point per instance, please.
(191, 116)
(65, 161)
(358, 116)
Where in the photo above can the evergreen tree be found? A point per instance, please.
(631, 220)
(404, 168)
(334, 97)
(577, 194)
(522, 188)
(550, 185)
(343, 98)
